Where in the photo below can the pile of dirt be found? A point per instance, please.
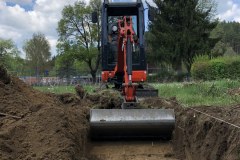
(4, 76)
(197, 136)
(43, 125)
(106, 99)
(38, 125)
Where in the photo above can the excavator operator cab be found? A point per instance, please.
(111, 13)
(112, 36)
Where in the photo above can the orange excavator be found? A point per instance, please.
(124, 64)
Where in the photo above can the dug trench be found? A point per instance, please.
(38, 125)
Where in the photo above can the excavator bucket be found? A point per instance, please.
(122, 123)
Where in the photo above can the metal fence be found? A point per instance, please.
(74, 77)
(58, 77)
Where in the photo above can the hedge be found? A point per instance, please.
(216, 68)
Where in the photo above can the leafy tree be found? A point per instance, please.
(8, 52)
(37, 51)
(181, 31)
(85, 36)
(65, 60)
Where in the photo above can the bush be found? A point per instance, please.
(233, 69)
(218, 68)
(201, 70)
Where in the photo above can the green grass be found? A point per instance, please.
(206, 93)
(201, 93)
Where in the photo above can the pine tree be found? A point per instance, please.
(180, 31)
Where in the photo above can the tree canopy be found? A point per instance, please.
(82, 35)
(8, 52)
(37, 51)
(180, 31)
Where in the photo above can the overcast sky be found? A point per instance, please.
(19, 19)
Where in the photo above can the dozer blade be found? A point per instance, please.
(120, 123)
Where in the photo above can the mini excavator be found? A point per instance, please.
(124, 64)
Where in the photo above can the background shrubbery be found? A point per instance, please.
(208, 68)
(167, 76)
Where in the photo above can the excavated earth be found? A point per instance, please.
(38, 125)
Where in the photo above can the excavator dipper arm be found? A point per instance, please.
(124, 59)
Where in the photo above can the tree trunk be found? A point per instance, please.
(93, 73)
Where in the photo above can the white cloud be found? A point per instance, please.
(19, 24)
(228, 10)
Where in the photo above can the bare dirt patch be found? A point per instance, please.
(50, 126)
(4, 76)
(200, 137)
(127, 150)
(42, 125)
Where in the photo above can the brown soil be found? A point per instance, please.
(4, 76)
(127, 150)
(200, 137)
(38, 125)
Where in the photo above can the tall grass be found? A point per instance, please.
(200, 94)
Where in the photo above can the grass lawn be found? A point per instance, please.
(206, 93)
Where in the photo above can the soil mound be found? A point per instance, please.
(41, 125)
(200, 137)
(158, 103)
(81, 91)
(4, 76)
(107, 99)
